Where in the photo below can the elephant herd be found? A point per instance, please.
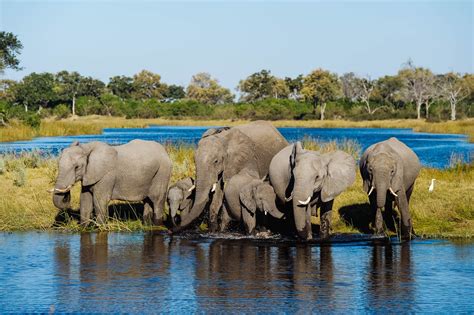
(247, 176)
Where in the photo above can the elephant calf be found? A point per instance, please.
(136, 171)
(310, 180)
(389, 170)
(180, 198)
(244, 194)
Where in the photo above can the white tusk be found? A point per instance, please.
(266, 212)
(304, 203)
(192, 188)
(371, 190)
(289, 198)
(50, 190)
(393, 193)
(214, 187)
(62, 191)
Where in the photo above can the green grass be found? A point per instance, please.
(447, 212)
(94, 125)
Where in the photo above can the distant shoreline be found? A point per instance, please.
(84, 125)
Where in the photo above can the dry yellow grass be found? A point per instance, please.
(94, 125)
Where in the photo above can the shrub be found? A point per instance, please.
(32, 120)
(19, 177)
(62, 111)
(2, 166)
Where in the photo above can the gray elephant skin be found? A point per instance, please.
(389, 170)
(221, 154)
(136, 171)
(245, 194)
(308, 180)
(180, 198)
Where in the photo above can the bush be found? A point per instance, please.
(33, 120)
(2, 166)
(61, 111)
(19, 177)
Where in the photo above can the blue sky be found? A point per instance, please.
(231, 40)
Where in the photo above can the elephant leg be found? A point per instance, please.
(377, 214)
(215, 208)
(157, 193)
(326, 216)
(87, 205)
(102, 193)
(147, 212)
(225, 218)
(250, 221)
(409, 192)
(406, 227)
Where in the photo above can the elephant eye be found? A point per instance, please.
(215, 162)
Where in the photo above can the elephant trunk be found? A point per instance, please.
(381, 190)
(62, 201)
(301, 210)
(203, 187)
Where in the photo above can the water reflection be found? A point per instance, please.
(114, 272)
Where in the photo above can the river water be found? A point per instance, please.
(152, 272)
(434, 150)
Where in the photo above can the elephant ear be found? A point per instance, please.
(247, 197)
(397, 180)
(297, 149)
(340, 174)
(101, 160)
(240, 154)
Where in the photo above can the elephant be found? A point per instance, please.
(180, 198)
(310, 180)
(222, 153)
(389, 170)
(136, 171)
(244, 194)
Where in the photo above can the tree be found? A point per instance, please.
(7, 90)
(69, 84)
(147, 85)
(320, 87)
(347, 86)
(204, 89)
(387, 89)
(121, 86)
(454, 89)
(294, 85)
(174, 93)
(262, 85)
(418, 85)
(10, 48)
(361, 89)
(36, 90)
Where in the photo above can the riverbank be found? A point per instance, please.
(16, 131)
(25, 203)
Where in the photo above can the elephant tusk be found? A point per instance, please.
(191, 188)
(371, 190)
(393, 193)
(289, 198)
(266, 212)
(62, 191)
(304, 203)
(213, 189)
(50, 190)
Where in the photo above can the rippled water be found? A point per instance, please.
(151, 272)
(434, 150)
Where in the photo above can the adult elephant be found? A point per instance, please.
(136, 171)
(310, 180)
(389, 170)
(221, 154)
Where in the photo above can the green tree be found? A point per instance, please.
(388, 89)
(320, 87)
(205, 89)
(147, 85)
(10, 48)
(36, 90)
(69, 87)
(294, 85)
(262, 85)
(121, 86)
(174, 93)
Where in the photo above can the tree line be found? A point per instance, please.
(413, 92)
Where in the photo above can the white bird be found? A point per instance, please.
(432, 185)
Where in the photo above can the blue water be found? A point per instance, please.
(151, 273)
(434, 150)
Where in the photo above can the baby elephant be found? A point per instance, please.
(136, 171)
(389, 170)
(244, 194)
(180, 197)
